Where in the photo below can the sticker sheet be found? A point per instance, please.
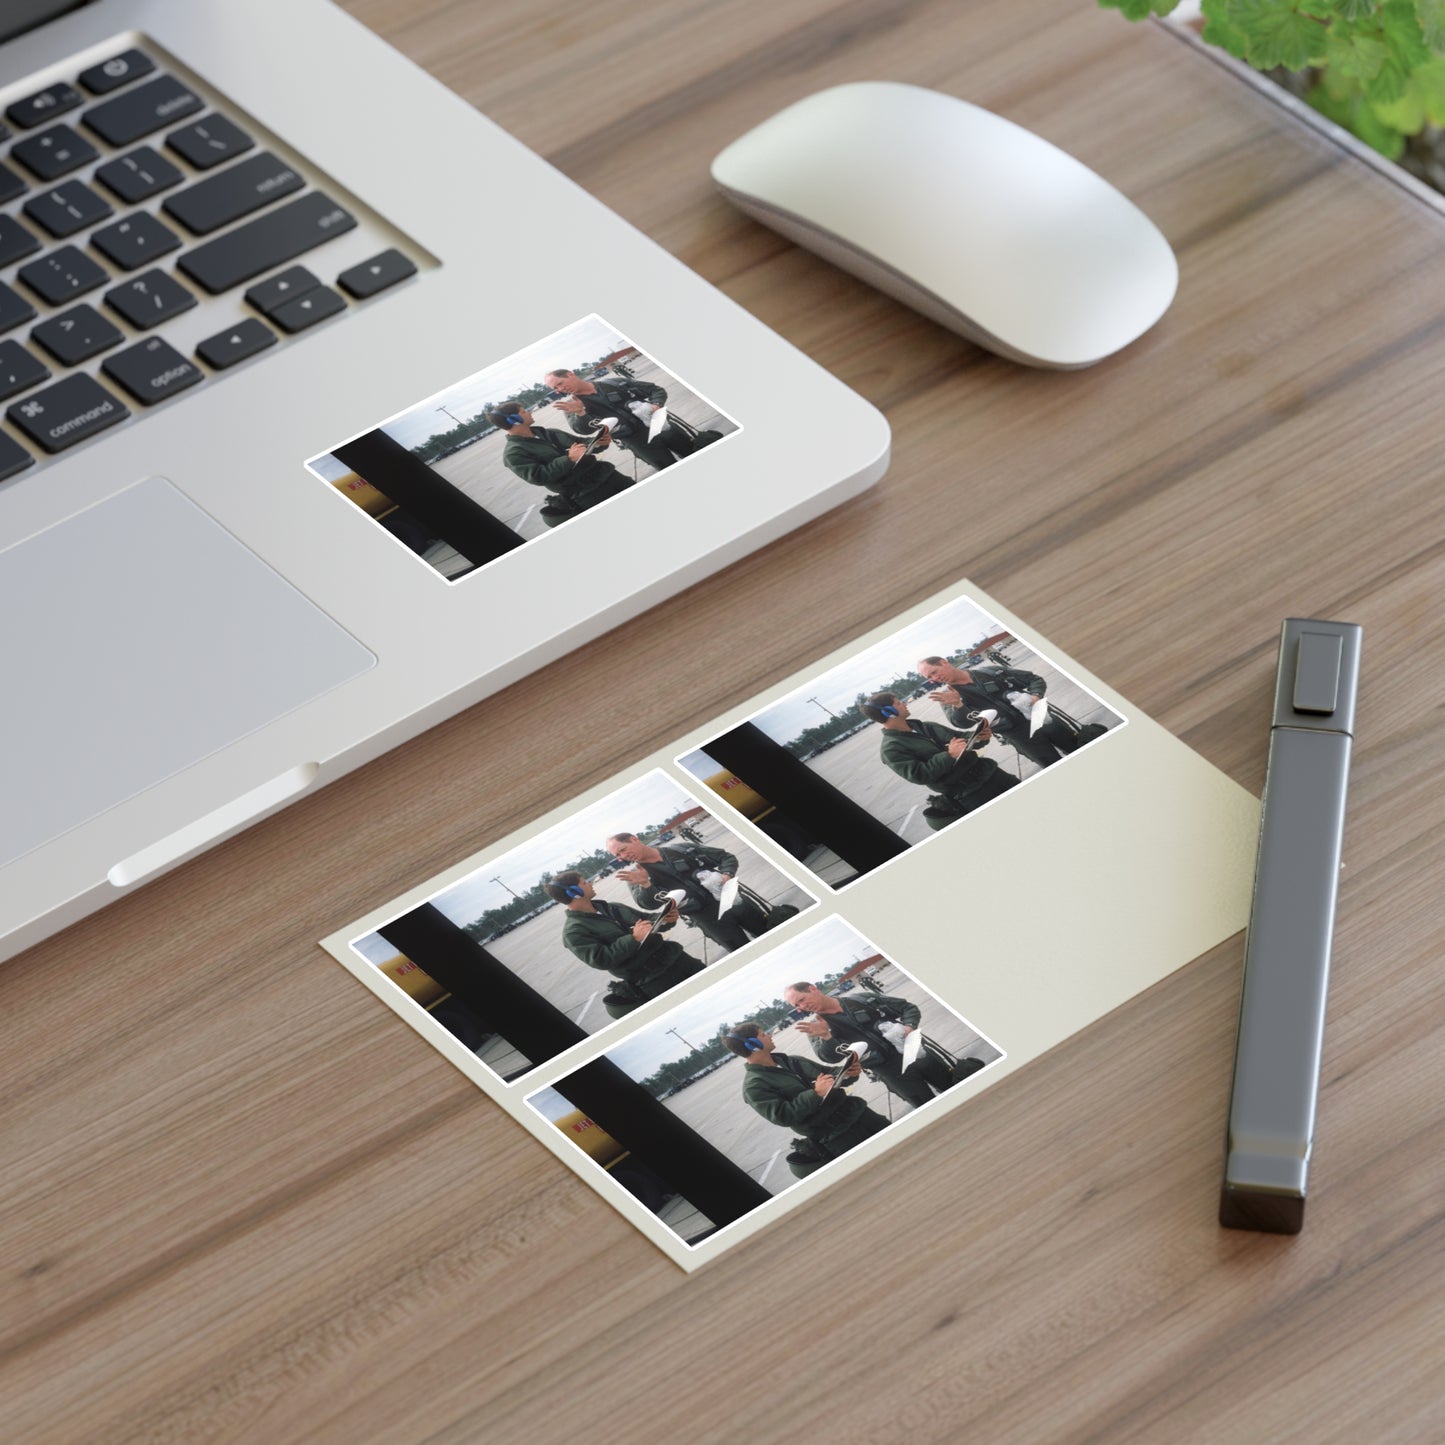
(750, 963)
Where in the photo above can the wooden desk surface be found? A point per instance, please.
(242, 1201)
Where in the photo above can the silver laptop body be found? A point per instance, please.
(195, 626)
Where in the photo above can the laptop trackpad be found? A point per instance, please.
(136, 639)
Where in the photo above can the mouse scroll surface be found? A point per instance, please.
(141, 638)
(973, 220)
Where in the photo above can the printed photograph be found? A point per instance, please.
(900, 742)
(594, 917)
(524, 446)
(726, 1101)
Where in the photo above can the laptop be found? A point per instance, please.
(326, 410)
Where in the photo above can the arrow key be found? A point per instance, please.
(235, 344)
(307, 310)
(376, 274)
(284, 286)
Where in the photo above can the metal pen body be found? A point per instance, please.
(1291, 927)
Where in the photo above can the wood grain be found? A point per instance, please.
(241, 1201)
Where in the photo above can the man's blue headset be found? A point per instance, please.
(752, 1045)
(889, 711)
(573, 891)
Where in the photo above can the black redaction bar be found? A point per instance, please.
(265, 242)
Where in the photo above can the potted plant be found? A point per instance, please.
(1376, 68)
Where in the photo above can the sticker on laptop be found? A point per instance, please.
(904, 739)
(529, 444)
(771, 1076)
(581, 925)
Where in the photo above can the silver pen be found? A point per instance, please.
(1291, 925)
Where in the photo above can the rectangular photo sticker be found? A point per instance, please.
(525, 445)
(716, 1110)
(901, 741)
(553, 940)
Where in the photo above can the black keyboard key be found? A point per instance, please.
(44, 105)
(15, 241)
(140, 111)
(77, 335)
(13, 457)
(10, 184)
(117, 71)
(139, 175)
(235, 192)
(14, 308)
(19, 369)
(135, 241)
(307, 310)
(266, 242)
(285, 286)
(53, 153)
(235, 344)
(74, 408)
(62, 275)
(376, 274)
(68, 208)
(206, 143)
(152, 370)
(149, 299)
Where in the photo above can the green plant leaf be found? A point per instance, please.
(1406, 115)
(1431, 17)
(1402, 33)
(1359, 119)
(1358, 57)
(1276, 33)
(1357, 9)
(1339, 109)
(1428, 81)
(1377, 134)
(1219, 30)
(1139, 9)
(1390, 82)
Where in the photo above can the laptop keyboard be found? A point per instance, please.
(129, 200)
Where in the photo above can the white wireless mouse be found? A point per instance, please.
(970, 219)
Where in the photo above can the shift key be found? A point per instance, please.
(232, 193)
(266, 242)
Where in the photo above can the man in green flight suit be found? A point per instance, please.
(801, 1095)
(656, 871)
(544, 457)
(935, 756)
(588, 401)
(1011, 693)
(617, 939)
(838, 1022)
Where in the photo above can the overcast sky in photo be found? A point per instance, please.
(569, 349)
(954, 628)
(647, 800)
